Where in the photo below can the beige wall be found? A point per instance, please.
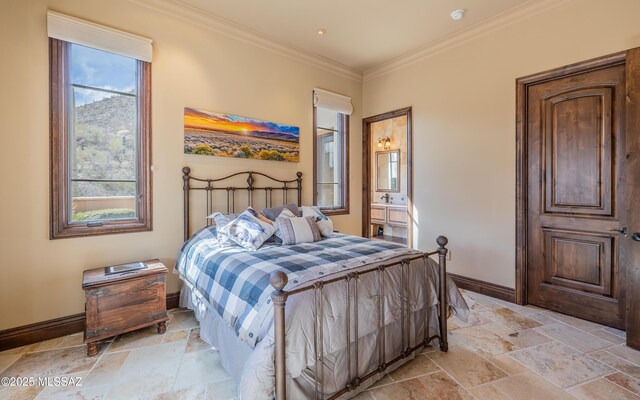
(463, 103)
(41, 279)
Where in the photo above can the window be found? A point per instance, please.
(100, 138)
(331, 152)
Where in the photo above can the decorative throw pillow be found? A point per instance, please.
(250, 230)
(286, 213)
(274, 239)
(298, 230)
(324, 223)
(274, 212)
(222, 220)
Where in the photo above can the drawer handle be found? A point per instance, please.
(156, 280)
(98, 292)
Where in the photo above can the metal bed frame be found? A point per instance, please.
(279, 280)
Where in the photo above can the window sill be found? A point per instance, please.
(334, 211)
(109, 228)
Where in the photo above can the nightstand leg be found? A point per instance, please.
(92, 349)
(162, 327)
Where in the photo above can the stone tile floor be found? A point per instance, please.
(503, 352)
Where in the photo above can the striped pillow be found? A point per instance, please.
(298, 230)
(286, 213)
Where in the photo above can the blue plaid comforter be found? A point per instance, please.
(235, 281)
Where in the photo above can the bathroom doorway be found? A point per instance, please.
(387, 177)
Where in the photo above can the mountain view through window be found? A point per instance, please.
(103, 135)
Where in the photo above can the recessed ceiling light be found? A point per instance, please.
(457, 15)
(322, 31)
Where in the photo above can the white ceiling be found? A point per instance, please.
(361, 34)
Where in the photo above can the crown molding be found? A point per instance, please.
(483, 28)
(196, 16)
(204, 19)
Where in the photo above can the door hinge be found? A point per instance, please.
(97, 332)
(98, 292)
(159, 315)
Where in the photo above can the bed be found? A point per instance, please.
(319, 320)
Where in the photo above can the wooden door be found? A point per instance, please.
(576, 194)
(631, 246)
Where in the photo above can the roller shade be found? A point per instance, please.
(332, 101)
(74, 30)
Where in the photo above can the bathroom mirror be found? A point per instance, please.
(388, 171)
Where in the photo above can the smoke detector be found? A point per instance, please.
(457, 15)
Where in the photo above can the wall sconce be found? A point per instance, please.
(384, 142)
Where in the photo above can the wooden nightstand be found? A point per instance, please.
(123, 302)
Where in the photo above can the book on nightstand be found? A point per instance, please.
(123, 268)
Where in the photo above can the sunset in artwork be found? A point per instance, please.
(224, 135)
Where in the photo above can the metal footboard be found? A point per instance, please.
(279, 297)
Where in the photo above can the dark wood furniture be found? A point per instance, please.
(577, 152)
(632, 255)
(123, 302)
(54, 328)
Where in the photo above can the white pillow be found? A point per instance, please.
(250, 230)
(324, 223)
(221, 220)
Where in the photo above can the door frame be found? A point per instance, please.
(632, 258)
(522, 184)
(366, 169)
(631, 60)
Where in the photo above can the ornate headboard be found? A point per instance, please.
(267, 184)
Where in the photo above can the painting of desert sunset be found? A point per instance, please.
(223, 135)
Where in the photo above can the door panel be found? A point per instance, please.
(577, 133)
(576, 156)
(630, 250)
(576, 260)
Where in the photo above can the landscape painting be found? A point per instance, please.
(223, 135)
